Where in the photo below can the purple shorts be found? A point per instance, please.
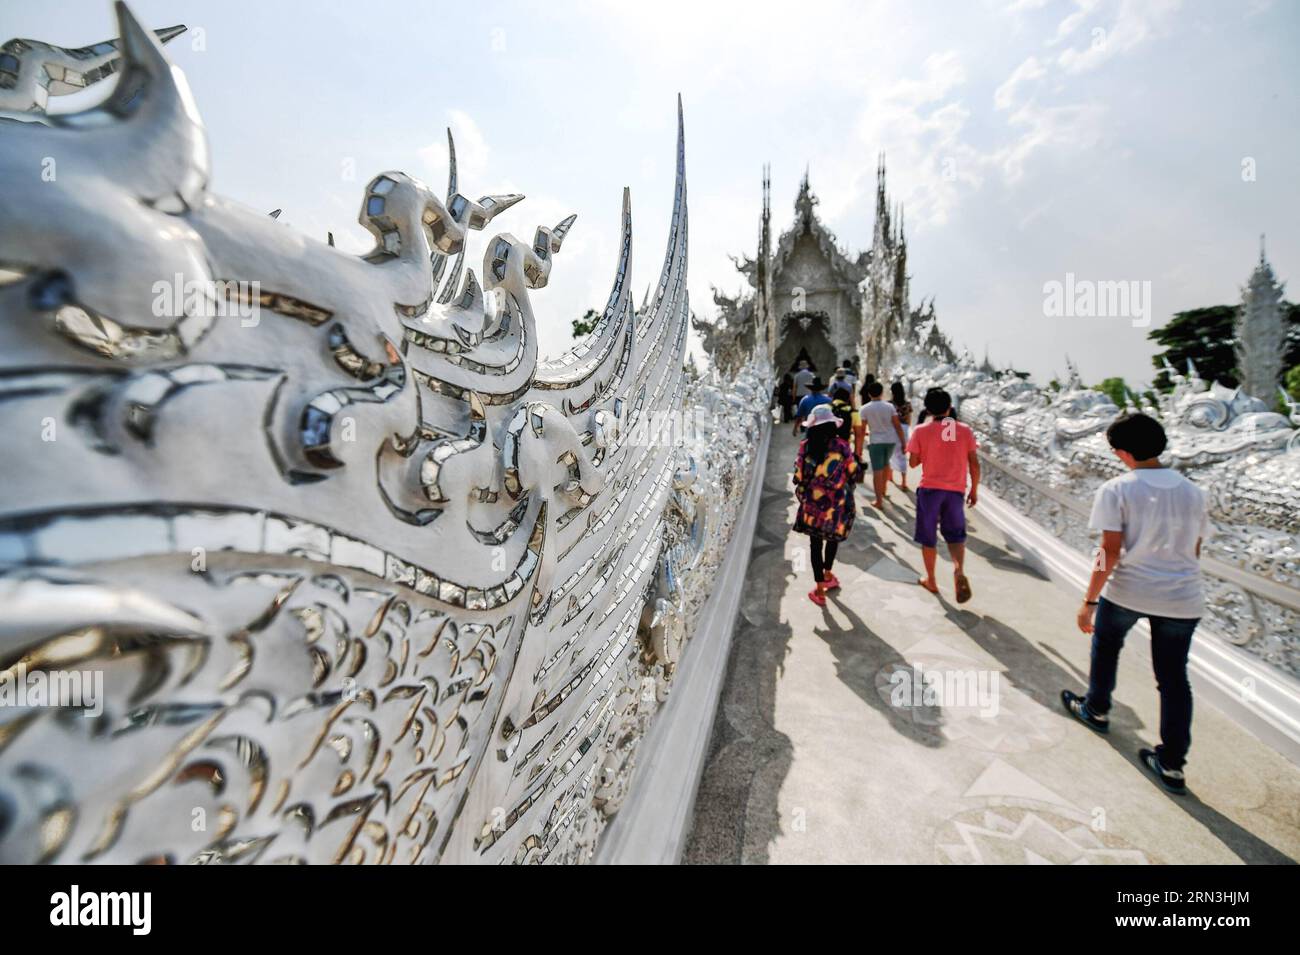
(942, 509)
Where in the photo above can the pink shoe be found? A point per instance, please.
(817, 597)
(831, 582)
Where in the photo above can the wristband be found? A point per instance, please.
(1091, 603)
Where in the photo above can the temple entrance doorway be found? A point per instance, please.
(806, 336)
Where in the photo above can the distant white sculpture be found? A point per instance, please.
(1261, 332)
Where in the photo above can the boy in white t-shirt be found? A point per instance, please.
(1152, 521)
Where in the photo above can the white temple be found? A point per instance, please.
(809, 299)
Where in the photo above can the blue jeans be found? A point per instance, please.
(1171, 639)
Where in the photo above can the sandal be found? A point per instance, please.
(817, 597)
(831, 582)
(963, 589)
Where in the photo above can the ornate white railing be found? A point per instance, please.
(307, 557)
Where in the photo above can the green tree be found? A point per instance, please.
(582, 327)
(1205, 335)
(1114, 389)
(1292, 382)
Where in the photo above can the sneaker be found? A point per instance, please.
(1077, 707)
(817, 597)
(831, 582)
(1171, 780)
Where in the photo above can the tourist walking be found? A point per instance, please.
(843, 378)
(802, 379)
(1152, 522)
(945, 451)
(863, 392)
(904, 408)
(824, 474)
(851, 428)
(884, 433)
(816, 396)
(785, 397)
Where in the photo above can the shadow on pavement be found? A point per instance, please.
(1034, 672)
(736, 814)
(1001, 558)
(859, 656)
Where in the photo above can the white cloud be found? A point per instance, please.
(1076, 126)
(1005, 95)
(919, 122)
(1134, 23)
(1083, 9)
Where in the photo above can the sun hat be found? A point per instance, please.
(822, 414)
(816, 384)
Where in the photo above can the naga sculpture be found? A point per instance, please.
(364, 579)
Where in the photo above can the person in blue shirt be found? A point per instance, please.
(816, 396)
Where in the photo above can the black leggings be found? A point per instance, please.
(823, 556)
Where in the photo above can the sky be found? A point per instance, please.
(1108, 140)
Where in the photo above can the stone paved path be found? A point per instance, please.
(811, 760)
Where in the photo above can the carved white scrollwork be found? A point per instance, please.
(359, 577)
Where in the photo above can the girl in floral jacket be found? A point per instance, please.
(824, 474)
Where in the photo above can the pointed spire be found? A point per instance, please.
(804, 202)
(880, 184)
(154, 110)
(1261, 248)
(675, 254)
(451, 166)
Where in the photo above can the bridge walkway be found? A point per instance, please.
(816, 759)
